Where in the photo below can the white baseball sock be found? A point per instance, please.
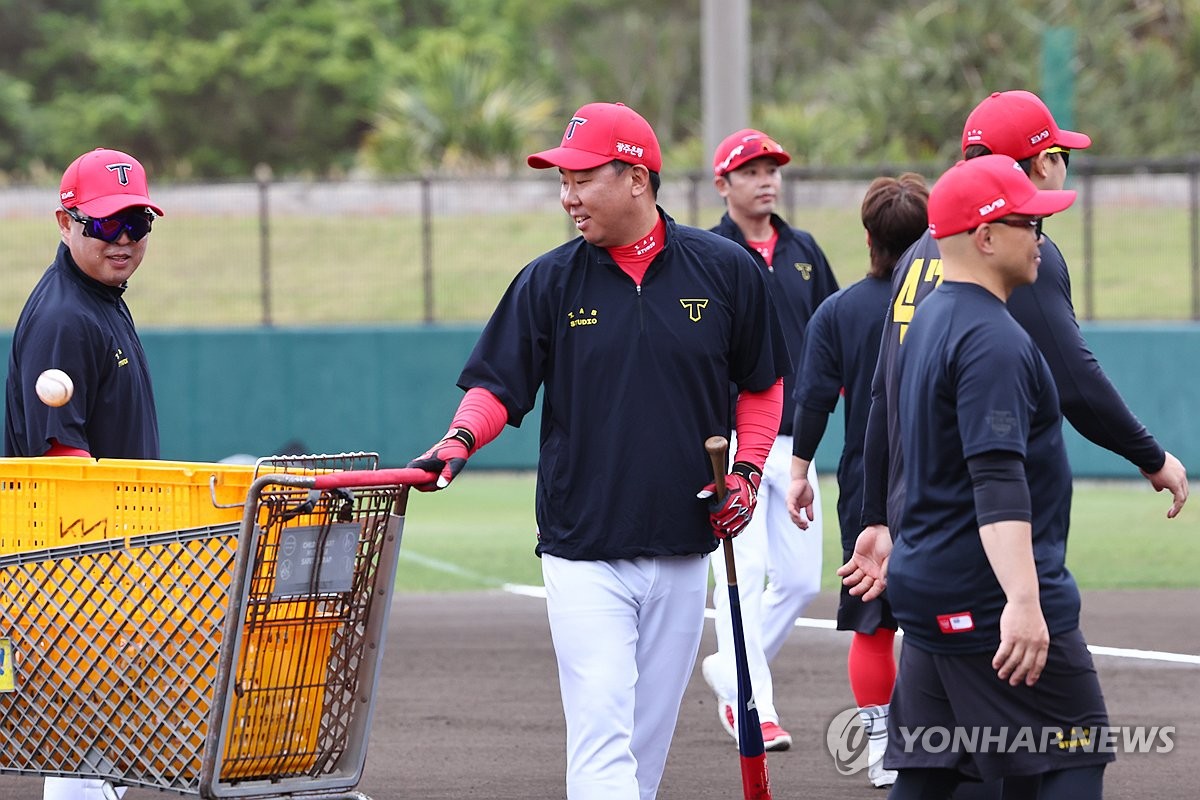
(875, 719)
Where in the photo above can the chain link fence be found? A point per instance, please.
(442, 250)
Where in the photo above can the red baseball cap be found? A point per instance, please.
(746, 145)
(985, 189)
(103, 182)
(601, 132)
(1019, 125)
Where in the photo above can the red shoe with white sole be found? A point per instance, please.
(775, 737)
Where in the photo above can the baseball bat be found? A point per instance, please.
(756, 784)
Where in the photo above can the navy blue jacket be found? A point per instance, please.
(799, 280)
(75, 323)
(841, 347)
(634, 379)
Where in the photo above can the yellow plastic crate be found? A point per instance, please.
(274, 720)
(48, 502)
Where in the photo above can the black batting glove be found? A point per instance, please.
(730, 516)
(446, 458)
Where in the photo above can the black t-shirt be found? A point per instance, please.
(971, 381)
(1088, 399)
(83, 327)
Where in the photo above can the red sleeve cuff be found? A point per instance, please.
(57, 449)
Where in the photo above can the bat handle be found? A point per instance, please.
(718, 451)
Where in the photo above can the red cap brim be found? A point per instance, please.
(567, 158)
(113, 203)
(1046, 202)
(779, 158)
(1072, 140)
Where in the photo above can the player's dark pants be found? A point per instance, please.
(951, 714)
(855, 615)
(1082, 783)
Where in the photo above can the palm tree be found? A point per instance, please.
(459, 114)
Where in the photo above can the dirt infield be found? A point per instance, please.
(469, 708)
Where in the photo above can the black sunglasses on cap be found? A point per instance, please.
(134, 222)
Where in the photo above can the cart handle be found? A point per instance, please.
(334, 480)
(370, 477)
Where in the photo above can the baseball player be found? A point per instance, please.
(841, 346)
(746, 172)
(76, 320)
(977, 573)
(634, 331)
(1016, 124)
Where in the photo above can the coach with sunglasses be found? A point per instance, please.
(76, 320)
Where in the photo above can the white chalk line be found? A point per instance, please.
(802, 622)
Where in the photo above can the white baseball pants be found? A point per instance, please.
(75, 789)
(778, 575)
(626, 634)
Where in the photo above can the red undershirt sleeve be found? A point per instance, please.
(757, 423)
(57, 449)
(482, 413)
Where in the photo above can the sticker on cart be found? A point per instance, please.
(8, 676)
(303, 567)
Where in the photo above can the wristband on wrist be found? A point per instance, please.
(464, 436)
(746, 470)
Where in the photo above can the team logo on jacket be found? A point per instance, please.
(805, 270)
(121, 358)
(581, 317)
(694, 307)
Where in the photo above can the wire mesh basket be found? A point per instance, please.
(230, 660)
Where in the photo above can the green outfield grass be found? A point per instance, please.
(480, 534)
(368, 268)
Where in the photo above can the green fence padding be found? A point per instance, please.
(257, 391)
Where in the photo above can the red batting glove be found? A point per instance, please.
(447, 458)
(730, 516)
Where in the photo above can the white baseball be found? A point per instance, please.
(55, 387)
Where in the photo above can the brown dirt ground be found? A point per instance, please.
(468, 705)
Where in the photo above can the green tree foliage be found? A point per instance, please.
(456, 111)
(646, 55)
(15, 110)
(917, 76)
(207, 88)
(324, 86)
(918, 72)
(1138, 93)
